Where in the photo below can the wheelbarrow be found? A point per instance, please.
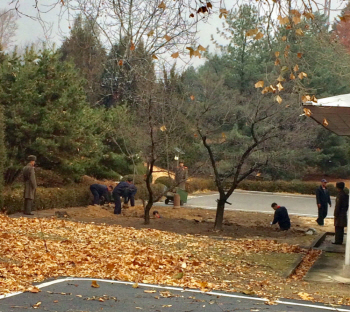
(170, 196)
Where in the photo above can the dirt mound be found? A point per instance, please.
(92, 212)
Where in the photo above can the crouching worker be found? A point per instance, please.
(127, 190)
(99, 191)
(281, 217)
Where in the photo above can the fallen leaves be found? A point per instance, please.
(94, 284)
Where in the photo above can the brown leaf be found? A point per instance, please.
(259, 84)
(192, 97)
(309, 15)
(132, 46)
(191, 51)
(296, 20)
(163, 128)
(167, 38)
(258, 36)
(279, 87)
(178, 275)
(202, 9)
(277, 62)
(151, 33)
(151, 291)
(55, 301)
(120, 63)
(302, 75)
(299, 55)
(201, 48)
(279, 99)
(162, 5)
(299, 32)
(277, 54)
(37, 305)
(295, 13)
(265, 90)
(292, 77)
(296, 68)
(307, 112)
(154, 57)
(175, 55)
(209, 5)
(283, 20)
(314, 99)
(280, 78)
(135, 285)
(34, 289)
(252, 32)
(191, 15)
(94, 284)
(284, 38)
(306, 98)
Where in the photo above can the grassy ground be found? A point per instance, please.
(181, 248)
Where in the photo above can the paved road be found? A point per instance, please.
(303, 205)
(78, 295)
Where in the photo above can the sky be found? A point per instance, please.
(56, 27)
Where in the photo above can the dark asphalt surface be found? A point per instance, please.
(301, 205)
(74, 296)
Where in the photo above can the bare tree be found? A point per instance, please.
(8, 27)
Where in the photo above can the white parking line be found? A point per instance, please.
(179, 289)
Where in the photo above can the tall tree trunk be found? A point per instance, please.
(150, 191)
(220, 212)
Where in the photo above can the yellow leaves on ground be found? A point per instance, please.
(259, 84)
(305, 296)
(136, 285)
(37, 305)
(150, 291)
(34, 289)
(162, 5)
(277, 54)
(284, 38)
(162, 128)
(296, 68)
(94, 284)
(124, 253)
(280, 78)
(292, 76)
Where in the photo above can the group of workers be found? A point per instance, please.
(125, 189)
(323, 199)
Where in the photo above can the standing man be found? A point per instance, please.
(322, 199)
(181, 175)
(340, 213)
(99, 190)
(29, 185)
(281, 217)
(127, 190)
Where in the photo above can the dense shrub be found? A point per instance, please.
(200, 184)
(167, 181)
(142, 193)
(47, 198)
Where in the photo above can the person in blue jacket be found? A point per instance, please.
(99, 190)
(281, 217)
(127, 190)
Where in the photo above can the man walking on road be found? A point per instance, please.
(340, 213)
(281, 217)
(322, 199)
(29, 185)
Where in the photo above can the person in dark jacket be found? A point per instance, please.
(127, 190)
(322, 200)
(29, 185)
(340, 213)
(99, 191)
(281, 217)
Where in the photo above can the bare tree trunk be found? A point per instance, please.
(219, 218)
(150, 192)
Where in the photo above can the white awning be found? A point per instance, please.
(333, 113)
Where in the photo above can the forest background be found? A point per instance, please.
(87, 109)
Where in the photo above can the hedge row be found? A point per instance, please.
(64, 197)
(47, 198)
(295, 186)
